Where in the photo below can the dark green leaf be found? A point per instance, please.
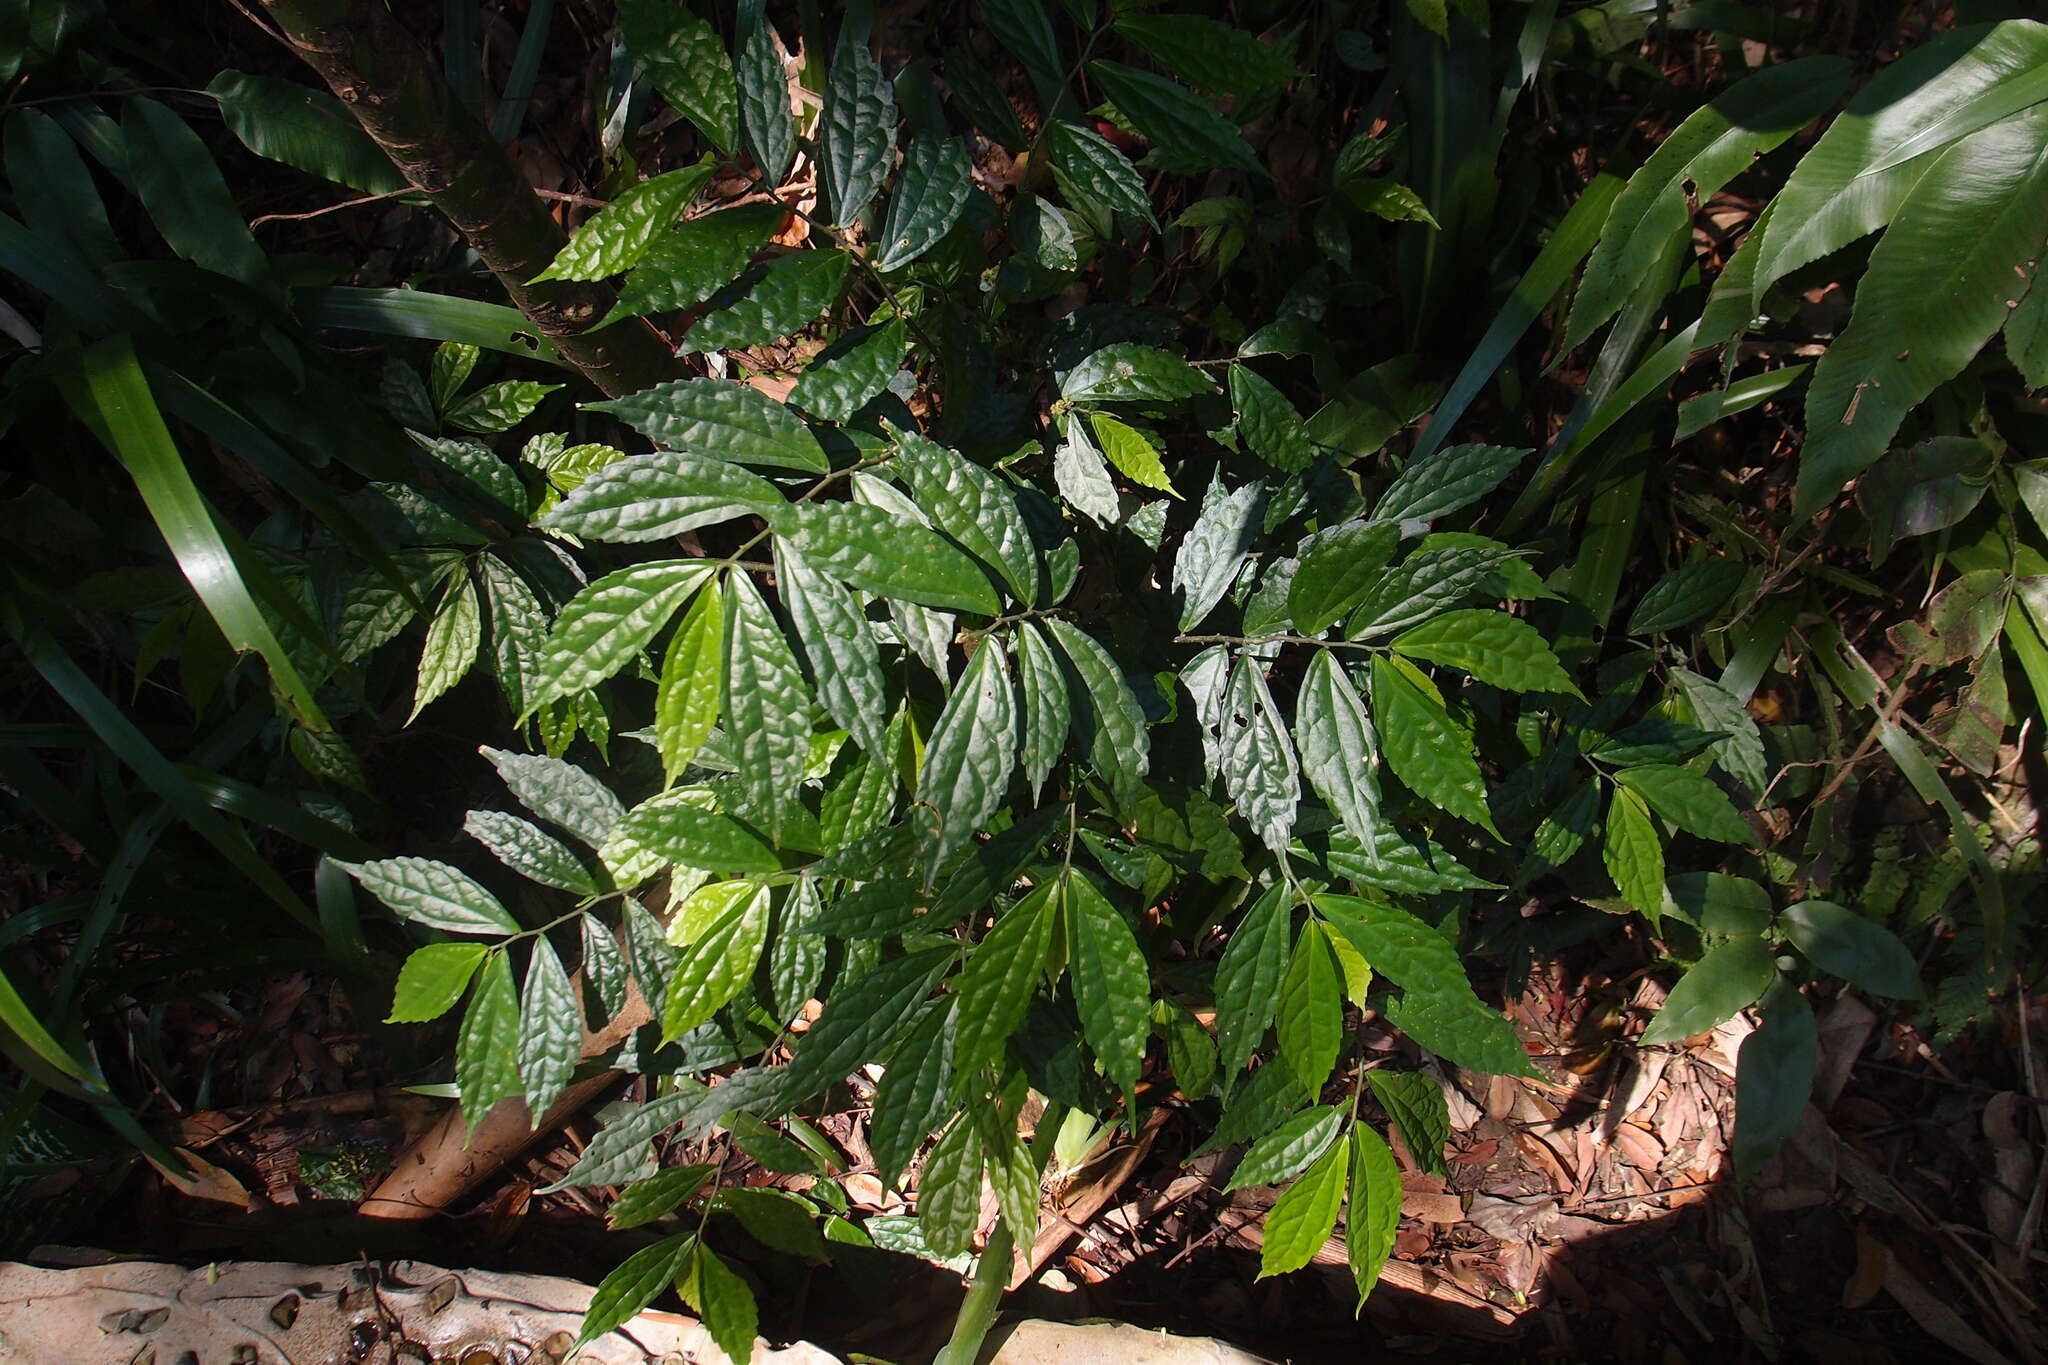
(653, 497)
(765, 116)
(1337, 572)
(1090, 170)
(1188, 136)
(1773, 1077)
(608, 624)
(304, 128)
(685, 59)
(970, 757)
(1129, 373)
(890, 556)
(178, 182)
(693, 260)
(1212, 55)
(1719, 905)
(657, 1196)
(1492, 646)
(975, 93)
(949, 1190)
(1725, 981)
(1685, 595)
(777, 1219)
(1427, 582)
(857, 131)
(788, 295)
(639, 1278)
(1424, 748)
(767, 707)
(1687, 800)
(1452, 478)
(550, 1030)
(1042, 234)
(1740, 752)
(519, 630)
(432, 980)
(487, 1046)
(1267, 421)
(1417, 1106)
(1373, 1216)
(1043, 702)
(853, 369)
(996, 985)
(1290, 1149)
(703, 839)
(727, 421)
(974, 507)
(915, 1092)
(1190, 1051)
(1248, 979)
(618, 235)
(1309, 1020)
(1111, 727)
(859, 1020)
(929, 198)
(1112, 988)
(1257, 757)
(838, 645)
(1861, 951)
(1023, 29)
(1339, 750)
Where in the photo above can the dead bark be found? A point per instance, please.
(376, 68)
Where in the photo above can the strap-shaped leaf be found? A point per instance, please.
(1112, 988)
(1188, 136)
(1339, 749)
(1043, 702)
(608, 624)
(915, 1093)
(1303, 1217)
(853, 369)
(433, 894)
(1090, 170)
(1258, 758)
(974, 507)
(1212, 55)
(1372, 1215)
(693, 260)
(1268, 422)
(550, 1029)
(720, 419)
(1687, 799)
(433, 980)
(663, 494)
(1126, 372)
(619, 234)
(845, 662)
(1447, 481)
(996, 984)
(686, 701)
(1425, 749)
(1309, 1021)
(529, 851)
(1726, 980)
(929, 198)
(1492, 646)
(717, 964)
(1248, 979)
(857, 130)
(1337, 571)
(560, 793)
(769, 304)
(889, 555)
(1111, 726)
(765, 118)
(487, 1045)
(685, 59)
(767, 708)
(1213, 551)
(970, 757)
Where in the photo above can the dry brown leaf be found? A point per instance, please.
(1872, 1261)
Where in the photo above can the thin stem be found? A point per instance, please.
(737, 558)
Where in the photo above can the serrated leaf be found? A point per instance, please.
(1687, 800)
(1190, 1051)
(1012, 1174)
(1258, 763)
(604, 970)
(695, 259)
(433, 894)
(686, 701)
(1112, 988)
(648, 952)
(1188, 136)
(1041, 234)
(1213, 551)
(769, 305)
(1110, 728)
(560, 793)
(1633, 852)
(722, 420)
(1427, 582)
(1043, 704)
(1426, 750)
(1309, 1020)
(1268, 422)
(633, 1285)
(529, 851)
(1248, 979)
(1417, 1106)
(975, 93)
(949, 1190)
(663, 494)
(1337, 572)
(519, 629)
(1861, 951)
(860, 1020)
(717, 964)
(974, 507)
(685, 59)
(1685, 595)
(1127, 372)
(1718, 905)
(1726, 980)
(931, 193)
(550, 1029)
(1290, 1149)
(890, 556)
(996, 985)
(498, 407)
(777, 1219)
(1774, 1071)
(1338, 747)
(853, 369)
(1089, 169)
(703, 839)
(1389, 200)
(454, 635)
(1082, 477)
(1448, 481)
(767, 707)
(1492, 646)
(765, 118)
(837, 643)
(969, 758)
(1128, 449)
(857, 131)
(432, 980)
(1212, 55)
(1740, 752)
(1305, 1215)
(608, 624)
(657, 1196)
(914, 1094)
(618, 235)
(487, 1045)
(1373, 1214)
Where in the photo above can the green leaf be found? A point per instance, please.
(1633, 851)
(1129, 373)
(608, 624)
(860, 1019)
(722, 420)
(1426, 750)
(1090, 170)
(1112, 987)
(717, 964)
(949, 1190)
(181, 186)
(973, 506)
(1339, 749)
(529, 851)
(1431, 580)
(1491, 646)
(304, 128)
(1257, 757)
(550, 1030)
(915, 1093)
(1417, 1106)
(770, 304)
(560, 793)
(1043, 701)
(1451, 479)
(1373, 1215)
(1213, 551)
(639, 1278)
(685, 59)
(837, 643)
(889, 555)
(970, 757)
(1740, 752)
(989, 868)
(604, 970)
(765, 117)
(930, 196)
(1773, 1077)
(1309, 1020)
(663, 494)
(1705, 152)
(1685, 595)
(1212, 55)
(686, 702)
(518, 630)
(1043, 235)
(1082, 478)
(1687, 800)
(1390, 200)
(1248, 979)
(856, 132)
(777, 1219)
(1111, 727)
(1012, 1174)
(1941, 281)
(615, 239)
(657, 1196)
(975, 93)
(1727, 979)
(1023, 29)
(432, 980)
(1290, 1149)
(433, 894)
(767, 708)
(706, 840)
(1859, 950)
(1303, 1217)
(695, 259)
(487, 1045)
(853, 369)
(1127, 448)
(1190, 1051)
(498, 407)
(1339, 569)
(1266, 420)
(1188, 136)
(996, 984)
(1719, 905)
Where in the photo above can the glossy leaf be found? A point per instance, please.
(703, 839)
(550, 1030)
(1129, 373)
(433, 894)
(1112, 987)
(608, 624)
(1859, 950)
(1338, 746)
(1258, 762)
(853, 369)
(1248, 979)
(560, 793)
(618, 235)
(1110, 728)
(857, 131)
(996, 984)
(1687, 800)
(653, 497)
(930, 195)
(785, 297)
(1043, 705)
(693, 260)
(1492, 646)
(529, 851)
(970, 757)
(1449, 480)
(890, 556)
(1089, 169)
(1290, 1149)
(304, 128)
(433, 980)
(692, 686)
(915, 1093)
(1309, 1019)
(487, 1045)
(1213, 551)
(949, 1190)
(1727, 979)
(1265, 419)
(1634, 852)
(685, 59)
(1337, 572)
(1417, 1106)
(1425, 749)
(838, 645)
(1429, 581)
(723, 420)
(1740, 751)
(1372, 1217)
(1303, 1217)
(657, 1196)
(765, 118)
(718, 964)
(1188, 136)
(973, 506)
(860, 1019)
(633, 1285)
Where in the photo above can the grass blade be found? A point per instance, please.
(518, 93)
(431, 317)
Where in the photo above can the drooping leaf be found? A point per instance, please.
(550, 1029)
(1089, 169)
(1110, 727)
(930, 196)
(1258, 757)
(1726, 980)
(633, 1285)
(915, 1093)
(722, 420)
(304, 128)
(657, 1196)
(996, 984)
(1309, 1019)
(1426, 750)
(1112, 987)
(853, 369)
(433, 894)
(433, 980)
(1338, 571)
(972, 506)
(663, 494)
(766, 306)
(860, 1019)
(949, 1190)
(1303, 1217)
(844, 660)
(857, 131)
(615, 239)
(1418, 1108)
(970, 757)
(1859, 950)
(695, 259)
(767, 707)
(1740, 752)
(487, 1045)
(1289, 1149)
(560, 793)
(687, 699)
(974, 93)
(1372, 1216)
(890, 556)
(1043, 705)
(1024, 30)
(1188, 136)
(765, 118)
(1492, 646)
(180, 184)
(529, 851)
(1248, 979)
(685, 59)
(1338, 746)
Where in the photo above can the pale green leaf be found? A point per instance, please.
(1303, 1217)
(1131, 452)
(722, 420)
(686, 701)
(1633, 852)
(633, 1285)
(487, 1045)
(618, 235)
(432, 980)
(717, 964)
(433, 894)
(1372, 1218)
